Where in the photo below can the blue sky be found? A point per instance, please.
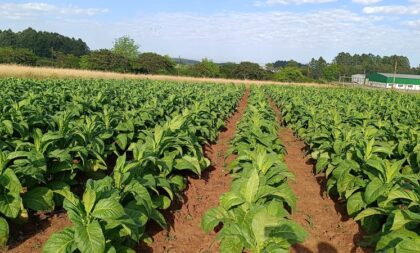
(232, 30)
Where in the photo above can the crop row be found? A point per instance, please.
(368, 145)
(110, 152)
(254, 212)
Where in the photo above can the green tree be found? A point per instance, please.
(331, 72)
(316, 68)
(151, 63)
(227, 70)
(206, 68)
(250, 70)
(127, 47)
(43, 44)
(289, 74)
(62, 60)
(18, 56)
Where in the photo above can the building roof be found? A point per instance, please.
(358, 75)
(401, 76)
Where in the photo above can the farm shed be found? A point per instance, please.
(358, 78)
(402, 81)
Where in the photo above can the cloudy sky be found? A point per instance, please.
(232, 30)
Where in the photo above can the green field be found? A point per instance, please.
(114, 155)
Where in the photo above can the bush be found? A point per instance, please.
(151, 63)
(106, 60)
(289, 74)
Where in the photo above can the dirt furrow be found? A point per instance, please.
(185, 234)
(329, 227)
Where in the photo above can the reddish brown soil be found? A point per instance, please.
(185, 234)
(329, 227)
(32, 236)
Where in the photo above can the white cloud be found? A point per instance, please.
(235, 36)
(268, 36)
(296, 2)
(366, 2)
(409, 9)
(414, 23)
(17, 11)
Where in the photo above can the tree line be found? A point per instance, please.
(39, 48)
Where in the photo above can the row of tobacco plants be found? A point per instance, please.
(112, 154)
(368, 145)
(254, 213)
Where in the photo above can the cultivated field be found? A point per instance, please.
(96, 165)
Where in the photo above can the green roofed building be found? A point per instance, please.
(402, 81)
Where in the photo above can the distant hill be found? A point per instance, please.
(185, 61)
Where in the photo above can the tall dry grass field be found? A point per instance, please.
(19, 71)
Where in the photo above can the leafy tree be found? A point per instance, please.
(62, 60)
(206, 68)
(17, 56)
(316, 68)
(365, 63)
(151, 63)
(331, 72)
(289, 74)
(126, 47)
(227, 70)
(416, 70)
(289, 63)
(270, 67)
(249, 70)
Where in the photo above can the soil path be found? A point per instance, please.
(185, 234)
(31, 237)
(330, 229)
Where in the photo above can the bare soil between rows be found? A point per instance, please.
(330, 229)
(185, 233)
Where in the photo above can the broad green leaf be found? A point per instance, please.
(287, 195)
(370, 212)
(401, 194)
(374, 190)
(251, 187)
(122, 140)
(260, 222)
(230, 199)
(10, 204)
(4, 232)
(231, 244)
(355, 204)
(89, 198)
(108, 209)
(8, 126)
(321, 164)
(60, 242)
(10, 181)
(399, 220)
(390, 240)
(212, 218)
(89, 238)
(288, 231)
(39, 199)
(188, 163)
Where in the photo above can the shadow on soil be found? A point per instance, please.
(19, 233)
(324, 247)
(340, 207)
